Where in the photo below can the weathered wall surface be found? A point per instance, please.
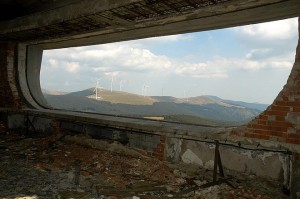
(9, 94)
(272, 165)
(150, 144)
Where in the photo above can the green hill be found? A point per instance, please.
(203, 110)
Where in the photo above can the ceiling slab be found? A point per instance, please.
(76, 23)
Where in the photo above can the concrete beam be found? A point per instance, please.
(206, 19)
(49, 26)
(71, 11)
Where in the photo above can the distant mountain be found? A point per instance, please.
(198, 110)
(49, 92)
(257, 106)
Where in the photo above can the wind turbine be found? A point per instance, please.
(111, 82)
(96, 89)
(121, 85)
(185, 97)
(144, 90)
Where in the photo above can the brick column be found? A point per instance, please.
(9, 94)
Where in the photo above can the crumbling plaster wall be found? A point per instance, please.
(9, 93)
(273, 165)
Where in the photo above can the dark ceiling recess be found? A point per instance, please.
(139, 11)
(11, 9)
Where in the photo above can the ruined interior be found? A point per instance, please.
(49, 153)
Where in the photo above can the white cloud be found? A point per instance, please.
(120, 59)
(170, 38)
(200, 70)
(258, 53)
(125, 58)
(283, 29)
(72, 67)
(53, 63)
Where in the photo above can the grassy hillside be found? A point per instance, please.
(115, 97)
(203, 110)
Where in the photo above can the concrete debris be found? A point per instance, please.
(64, 168)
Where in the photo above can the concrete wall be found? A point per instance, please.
(9, 93)
(272, 165)
(29, 124)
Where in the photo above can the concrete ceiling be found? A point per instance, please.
(48, 21)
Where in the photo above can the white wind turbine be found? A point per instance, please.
(144, 89)
(111, 82)
(96, 89)
(121, 84)
(185, 95)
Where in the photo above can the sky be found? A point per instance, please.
(247, 63)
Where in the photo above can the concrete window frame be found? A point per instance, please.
(30, 53)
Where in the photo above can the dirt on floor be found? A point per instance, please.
(76, 166)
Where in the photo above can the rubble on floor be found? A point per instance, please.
(64, 167)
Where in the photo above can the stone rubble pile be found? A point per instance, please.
(61, 167)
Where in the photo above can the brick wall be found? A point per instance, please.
(281, 121)
(9, 95)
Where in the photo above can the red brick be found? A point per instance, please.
(279, 124)
(296, 156)
(276, 113)
(9, 97)
(293, 141)
(282, 139)
(280, 108)
(262, 132)
(257, 126)
(262, 122)
(280, 118)
(160, 147)
(278, 128)
(293, 136)
(278, 134)
(281, 103)
(163, 138)
(264, 137)
(296, 109)
(250, 135)
(235, 133)
(263, 117)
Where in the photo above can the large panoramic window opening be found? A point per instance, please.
(221, 77)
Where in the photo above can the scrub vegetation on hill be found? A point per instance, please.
(201, 110)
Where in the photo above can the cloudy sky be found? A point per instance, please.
(248, 63)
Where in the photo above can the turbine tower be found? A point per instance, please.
(111, 82)
(185, 96)
(144, 90)
(96, 89)
(121, 85)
